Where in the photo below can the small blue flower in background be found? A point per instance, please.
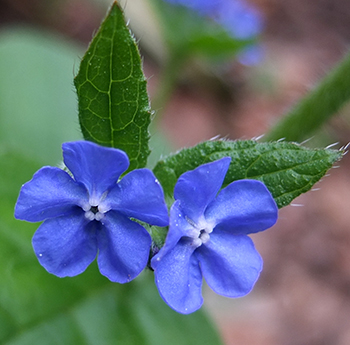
(251, 55)
(87, 214)
(208, 237)
(240, 19)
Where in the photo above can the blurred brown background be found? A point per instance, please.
(303, 295)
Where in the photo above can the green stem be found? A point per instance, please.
(317, 107)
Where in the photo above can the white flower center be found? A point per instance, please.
(95, 209)
(200, 232)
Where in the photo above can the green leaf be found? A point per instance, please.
(39, 308)
(37, 102)
(316, 107)
(287, 169)
(113, 102)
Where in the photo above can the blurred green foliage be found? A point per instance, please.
(38, 107)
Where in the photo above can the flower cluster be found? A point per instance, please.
(90, 211)
(240, 19)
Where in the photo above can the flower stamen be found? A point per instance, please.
(199, 233)
(95, 212)
(204, 236)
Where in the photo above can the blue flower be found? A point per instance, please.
(208, 237)
(251, 55)
(241, 20)
(87, 212)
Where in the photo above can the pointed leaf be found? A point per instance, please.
(113, 102)
(287, 169)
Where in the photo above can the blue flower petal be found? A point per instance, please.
(178, 228)
(251, 55)
(66, 245)
(197, 188)
(139, 195)
(243, 207)
(240, 19)
(178, 278)
(97, 167)
(230, 264)
(124, 248)
(50, 193)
